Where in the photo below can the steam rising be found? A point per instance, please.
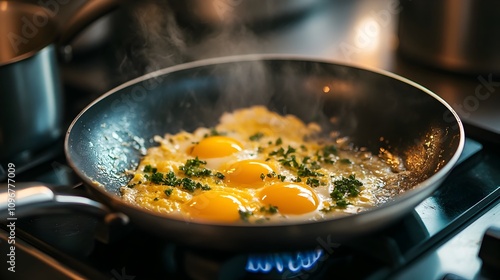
(157, 40)
(164, 35)
(160, 41)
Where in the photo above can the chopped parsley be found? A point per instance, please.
(307, 168)
(345, 161)
(289, 161)
(168, 192)
(329, 150)
(306, 172)
(194, 168)
(315, 165)
(313, 182)
(256, 137)
(269, 210)
(328, 209)
(278, 142)
(156, 178)
(149, 169)
(281, 177)
(245, 215)
(279, 152)
(190, 185)
(171, 180)
(214, 132)
(282, 153)
(326, 154)
(345, 187)
(271, 175)
(297, 180)
(342, 203)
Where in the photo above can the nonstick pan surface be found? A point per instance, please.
(374, 109)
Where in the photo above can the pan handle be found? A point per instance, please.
(23, 199)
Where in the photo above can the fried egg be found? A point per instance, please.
(257, 166)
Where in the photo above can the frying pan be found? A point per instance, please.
(374, 109)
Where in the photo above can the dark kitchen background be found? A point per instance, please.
(449, 47)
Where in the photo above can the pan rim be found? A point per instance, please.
(409, 194)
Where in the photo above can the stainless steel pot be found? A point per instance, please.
(459, 36)
(30, 86)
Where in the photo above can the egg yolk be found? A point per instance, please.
(248, 173)
(290, 198)
(216, 146)
(214, 206)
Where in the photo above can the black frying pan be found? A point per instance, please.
(374, 109)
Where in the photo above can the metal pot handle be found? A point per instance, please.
(87, 14)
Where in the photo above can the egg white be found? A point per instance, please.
(276, 132)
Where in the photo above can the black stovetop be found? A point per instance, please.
(440, 238)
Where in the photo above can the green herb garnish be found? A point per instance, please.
(271, 175)
(214, 132)
(171, 180)
(156, 178)
(280, 152)
(345, 187)
(313, 182)
(149, 169)
(188, 184)
(269, 210)
(194, 168)
(168, 192)
(289, 161)
(345, 161)
(329, 150)
(256, 137)
(245, 215)
(219, 175)
(281, 177)
(306, 172)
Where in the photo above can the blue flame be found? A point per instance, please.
(294, 262)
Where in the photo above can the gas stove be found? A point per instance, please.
(423, 244)
(453, 234)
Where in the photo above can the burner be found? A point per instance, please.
(200, 265)
(284, 263)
